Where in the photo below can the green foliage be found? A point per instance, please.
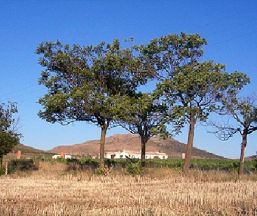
(89, 162)
(203, 164)
(62, 160)
(8, 137)
(22, 165)
(144, 116)
(89, 83)
(110, 163)
(7, 120)
(100, 171)
(255, 160)
(134, 168)
(83, 164)
(7, 142)
(169, 52)
(84, 82)
(195, 90)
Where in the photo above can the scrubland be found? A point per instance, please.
(52, 190)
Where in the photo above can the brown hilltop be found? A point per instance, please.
(131, 142)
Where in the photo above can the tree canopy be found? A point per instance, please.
(84, 83)
(145, 116)
(169, 52)
(8, 134)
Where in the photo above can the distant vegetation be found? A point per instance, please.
(196, 164)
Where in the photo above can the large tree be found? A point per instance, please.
(243, 113)
(84, 83)
(8, 134)
(193, 93)
(147, 117)
(144, 116)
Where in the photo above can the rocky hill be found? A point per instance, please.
(27, 149)
(132, 143)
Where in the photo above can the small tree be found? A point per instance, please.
(85, 83)
(145, 117)
(7, 142)
(244, 115)
(193, 92)
(8, 135)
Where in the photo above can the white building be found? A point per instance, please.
(65, 156)
(132, 154)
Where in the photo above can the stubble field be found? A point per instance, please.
(52, 191)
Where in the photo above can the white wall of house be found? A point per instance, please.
(123, 154)
(66, 156)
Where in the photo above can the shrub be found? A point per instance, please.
(62, 160)
(89, 163)
(134, 168)
(100, 171)
(83, 164)
(73, 165)
(21, 165)
(110, 163)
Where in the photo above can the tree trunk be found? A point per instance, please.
(102, 144)
(242, 155)
(143, 144)
(189, 145)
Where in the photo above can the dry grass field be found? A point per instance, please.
(52, 191)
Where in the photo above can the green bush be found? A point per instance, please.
(134, 168)
(100, 171)
(89, 163)
(21, 165)
(83, 164)
(110, 163)
(61, 160)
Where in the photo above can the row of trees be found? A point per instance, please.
(102, 84)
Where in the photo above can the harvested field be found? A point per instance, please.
(162, 192)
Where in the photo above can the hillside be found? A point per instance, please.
(28, 152)
(27, 149)
(132, 143)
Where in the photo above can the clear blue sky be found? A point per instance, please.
(230, 27)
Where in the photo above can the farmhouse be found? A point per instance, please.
(65, 156)
(132, 154)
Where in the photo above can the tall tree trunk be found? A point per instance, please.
(242, 155)
(143, 144)
(102, 144)
(189, 145)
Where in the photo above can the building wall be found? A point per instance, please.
(124, 154)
